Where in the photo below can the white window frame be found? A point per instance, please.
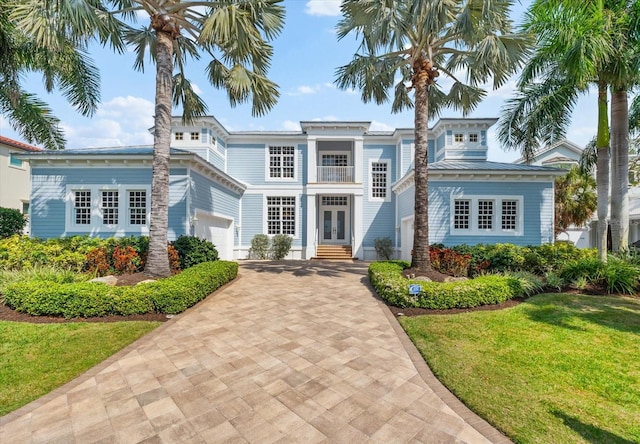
(178, 135)
(194, 136)
(297, 215)
(477, 137)
(387, 197)
(267, 163)
(96, 225)
(497, 215)
(455, 136)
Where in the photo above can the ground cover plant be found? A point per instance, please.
(36, 358)
(555, 368)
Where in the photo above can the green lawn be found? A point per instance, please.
(555, 369)
(36, 358)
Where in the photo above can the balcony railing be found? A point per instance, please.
(335, 174)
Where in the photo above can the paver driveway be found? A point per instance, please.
(289, 352)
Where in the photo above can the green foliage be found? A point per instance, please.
(621, 277)
(84, 299)
(22, 252)
(259, 246)
(280, 246)
(448, 261)
(12, 222)
(193, 250)
(387, 279)
(384, 247)
(575, 199)
(530, 283)
(554, 281)
(591, 269)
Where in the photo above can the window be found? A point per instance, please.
(462, 214)
(195, 136)
(473, 137)
(179, 136)
(25, 208)
(281, 162)
(109, 206)
(458, 137)
(485, 215)
(137, 207)
(281, 215)
(14, 161)
(82, 207)
(509, 214)
(379, 180)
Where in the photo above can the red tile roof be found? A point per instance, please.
(20, 145)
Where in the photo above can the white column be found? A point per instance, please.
(358, 145)
(358, 251)
(312, 157)
(312, 218)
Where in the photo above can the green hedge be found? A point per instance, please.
(85, 299)
(393, 287)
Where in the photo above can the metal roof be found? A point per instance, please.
(484, 165)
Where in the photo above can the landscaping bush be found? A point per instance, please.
(384, 247)
(259, 247)
(193, 250)
(621, 277)
(280, 246)
(22, 252)
(448, 261)
(12, 222)
(170, 295)
(393, 287)
(591, 269)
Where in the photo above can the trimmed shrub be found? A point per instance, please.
(12, 222)
(193, 250)
(171, 295)
(448, 261)
(280, 246)
(259, 247)
(384, 247)
(393, 287)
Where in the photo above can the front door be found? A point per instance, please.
(335, 220)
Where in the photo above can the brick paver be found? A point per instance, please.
(289, 352)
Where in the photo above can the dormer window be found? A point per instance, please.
(473, 137)
(195, 136)
(458, 137)
(179, 136)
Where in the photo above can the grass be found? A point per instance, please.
(36, 358)
(557, 368)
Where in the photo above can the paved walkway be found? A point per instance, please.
(289, 352)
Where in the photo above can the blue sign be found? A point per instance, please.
(415, 288)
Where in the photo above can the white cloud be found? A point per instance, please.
(323, 7)
(380, 126)
(122, 121)
(304, 90)
(196, 89)
(290, 125)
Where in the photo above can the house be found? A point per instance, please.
(15, 175)
(333, 186)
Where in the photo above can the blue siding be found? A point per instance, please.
(246, 162)
(211, 197)
(378, 218)
(216, 159)
(431, 151)
(466, 153)
(449, 139)
(303, 163)
(483, 138)
(251, 224)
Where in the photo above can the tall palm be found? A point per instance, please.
(575, 199)
(64, 66)
(406, 45)
(575, 40)
(234, 34)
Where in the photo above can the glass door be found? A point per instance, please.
(335, 220)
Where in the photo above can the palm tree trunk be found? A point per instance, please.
(619, 170)
(420, 261)
(602, 172)
(158, 259)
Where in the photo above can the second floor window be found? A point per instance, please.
(473, 137)
(281, 162)
(179, 136)
(195, 136)
(379, 180)
(458, 137)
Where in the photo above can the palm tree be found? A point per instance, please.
(575, 199)
(576, 39)
(406, 45)
(65, 67)
(233, 33)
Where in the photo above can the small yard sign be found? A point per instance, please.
(415, 289)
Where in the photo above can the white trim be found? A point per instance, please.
(370, 196)
(298, 210)
(96, 225)
(267, 163)
(497, 215)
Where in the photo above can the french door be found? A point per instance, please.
(335, 220)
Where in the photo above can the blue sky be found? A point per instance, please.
(306, 56)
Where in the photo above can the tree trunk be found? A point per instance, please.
(420, 260)
(619, 171)
(602, 172)
(158, 259)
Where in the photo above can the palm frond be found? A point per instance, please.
(183, 94)
(589, 158)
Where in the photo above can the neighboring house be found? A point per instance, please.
(333, 186)
(14, 175)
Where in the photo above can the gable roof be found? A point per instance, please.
(19, 145)
(564, 142)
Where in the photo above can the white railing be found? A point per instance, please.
(335, 174)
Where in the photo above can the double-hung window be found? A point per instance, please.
(379, 181)
(486, 215)
(282, 162)
(82, 207)
(109, 205)
(281, 215)
(138, 207)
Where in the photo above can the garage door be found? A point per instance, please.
(217, 230)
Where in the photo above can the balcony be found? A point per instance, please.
(335, 174)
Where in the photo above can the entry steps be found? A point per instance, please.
(334, 252)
